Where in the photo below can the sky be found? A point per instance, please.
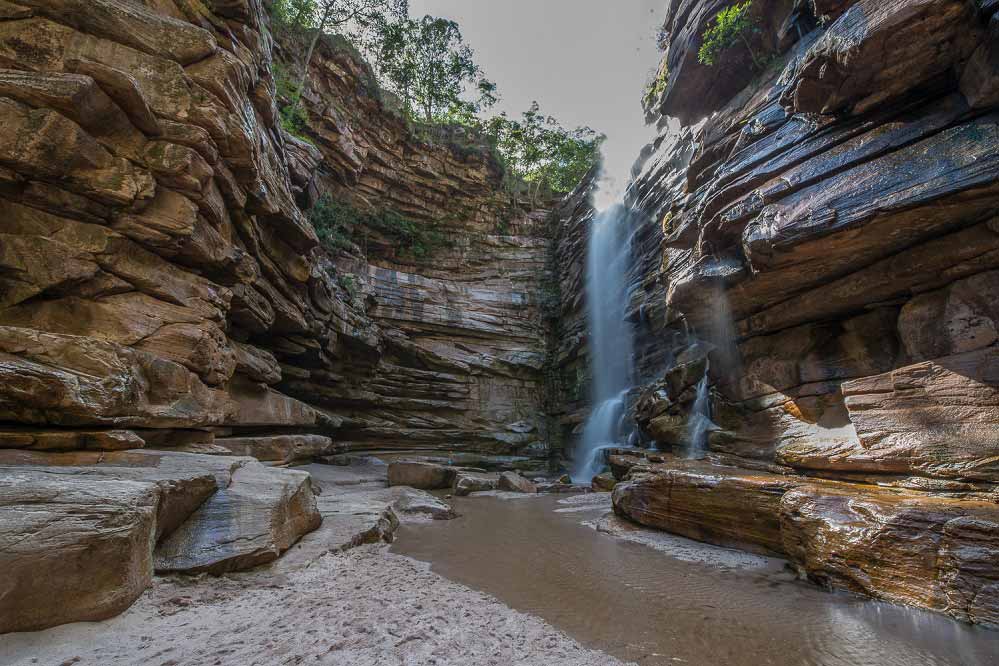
(585, 61)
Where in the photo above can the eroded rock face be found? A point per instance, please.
(162, 287)
(823, 249)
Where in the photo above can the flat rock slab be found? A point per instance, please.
(278, 448)
(72, 548)
(358, 508)
(184, 481)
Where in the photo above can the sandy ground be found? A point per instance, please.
(362, 607)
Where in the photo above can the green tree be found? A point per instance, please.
(428, 65)
(731, 26)
(537, 150)
(352, 18)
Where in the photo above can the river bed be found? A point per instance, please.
(678, 603)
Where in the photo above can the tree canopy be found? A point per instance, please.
(538, 150)
(426, 63)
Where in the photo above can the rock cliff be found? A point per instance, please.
(819, 236)
(168, 317)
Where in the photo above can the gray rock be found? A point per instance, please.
(420, 475)
(72, 548)
(514, 482)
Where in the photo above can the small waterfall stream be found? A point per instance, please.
(610, 340)
(699, 422)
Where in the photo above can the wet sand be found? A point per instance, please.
(365, 607)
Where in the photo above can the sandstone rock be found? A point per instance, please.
(70, 440)
(620, 465)
(723, 506)
(410, 503)
(258, 516)
(604, 483)
(278, 448)
(921, 550)
(513, 482)
(466, 483)
(184, 481)
(72, 548)
(932, 419)
(420, 475)
(846, 68)
(71, 380)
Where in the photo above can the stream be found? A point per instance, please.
(681, 603)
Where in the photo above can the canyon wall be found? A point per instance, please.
(153, 208)
(168, 317)
(821, 239)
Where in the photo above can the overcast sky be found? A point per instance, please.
(585, 61)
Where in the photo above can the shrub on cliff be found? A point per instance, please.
(340, 226)
(732, 25)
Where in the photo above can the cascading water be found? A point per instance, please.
(699, 422)
(610, 341)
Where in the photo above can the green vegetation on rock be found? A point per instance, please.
(731, 26)
(340, 226)
(540, 152)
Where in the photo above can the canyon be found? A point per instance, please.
(815, 243)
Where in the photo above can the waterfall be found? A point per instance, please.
(610, 340)
(699, 422)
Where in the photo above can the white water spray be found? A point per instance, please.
(699, 422)
(610, 341)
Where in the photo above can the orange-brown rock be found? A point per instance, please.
(917, 549)
(720, 505)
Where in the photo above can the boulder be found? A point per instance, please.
(466, 483)
(420, 475)
(184, 481)
(410, 504)
(261, 513)
(513, 482)
(73, 548)
(720, 505)
(604, 483)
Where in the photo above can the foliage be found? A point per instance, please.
(431, 77)
(352, 18)
(428, 65)
(339, 226)
(293, 116)
(731, 26)
(539, 151)
(656, 87)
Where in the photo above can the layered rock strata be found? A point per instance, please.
(819, 238)
(162, 288)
